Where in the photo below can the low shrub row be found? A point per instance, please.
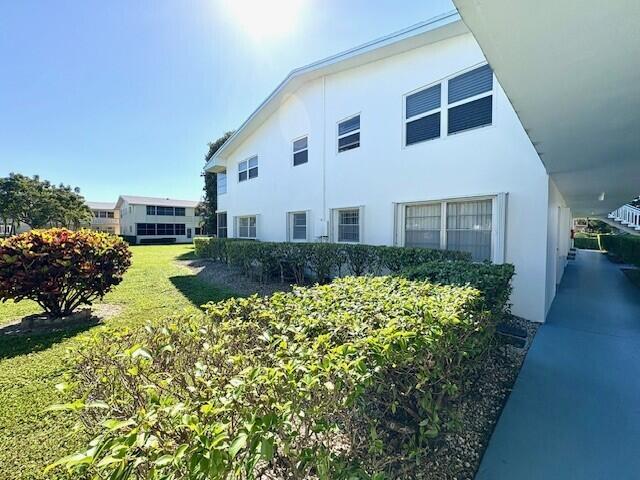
(323, 260)
(493, 281)
(341, 381)
(586, 241)
(627, 247)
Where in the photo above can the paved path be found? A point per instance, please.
(574, 413)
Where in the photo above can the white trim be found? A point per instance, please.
(294, 151)
(498, 220)
(353, 132)
(290, 225)
(247, 160)
(335, 219)
(237, 226)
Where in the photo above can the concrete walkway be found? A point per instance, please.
(574, 413)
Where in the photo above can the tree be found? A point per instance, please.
(28, 200)
(210, 203)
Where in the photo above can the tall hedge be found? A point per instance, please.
(343, 381)
(627, 247)
(323, 260)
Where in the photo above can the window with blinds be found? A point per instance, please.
(470, 100)
(349, 134)
(298, 226)
(469, 228)
(247, 227)
(221, 183)
(423, 225)
(222, 224)
(300, 151)
(248, 169)
(422, 115)
(466, 226)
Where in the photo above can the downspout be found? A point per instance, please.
(324, 159)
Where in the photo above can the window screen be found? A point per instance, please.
(299, 226)
(469, 228)
(422, 225)
(349, 225)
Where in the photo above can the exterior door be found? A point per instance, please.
(188, 233)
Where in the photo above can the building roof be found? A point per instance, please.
(163, 202)
(101, 205)
(430, 31)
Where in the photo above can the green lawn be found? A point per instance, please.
(30, 366)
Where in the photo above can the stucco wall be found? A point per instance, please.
(485, 161)
(559, 223)
(138, 214)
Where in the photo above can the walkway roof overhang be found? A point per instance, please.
(430, 31)
(571, 70)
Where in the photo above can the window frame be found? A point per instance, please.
(226, 224)
(291, 226)
(335, 224)
(473, 98)
(353, 132)
(248, 168)
(151, 208)
(406, 121)
(498, 220)
(221, 175)
(445, 106)
(294, 151)
(238, 226)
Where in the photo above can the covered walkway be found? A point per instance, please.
(574, 412)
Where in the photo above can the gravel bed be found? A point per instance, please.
(458, 452)
(225, 276)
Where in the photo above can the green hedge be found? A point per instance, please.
(586, 241)
(494, 281)
(627, 247)
(343, 381)
(323, 260)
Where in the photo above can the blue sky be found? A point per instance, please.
(122, 96)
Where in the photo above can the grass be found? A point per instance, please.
(30, 366)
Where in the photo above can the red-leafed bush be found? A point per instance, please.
(61, 269)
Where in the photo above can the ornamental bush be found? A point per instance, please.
(61, 269)
(493, 281)
(341, 381)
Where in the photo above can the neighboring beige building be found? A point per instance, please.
(151, 219)
(106, 217)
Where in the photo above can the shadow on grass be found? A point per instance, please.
(15, 345)
(190, 255)
(199, 291)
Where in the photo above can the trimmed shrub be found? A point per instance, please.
(61, 269)
(342, 381)
(627, 247)
(586, 241)
(493, 281)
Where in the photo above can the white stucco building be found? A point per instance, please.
(105, 217)
(408, 140)
(151, 219)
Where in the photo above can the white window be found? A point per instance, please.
(349, 134)
(247, 226)
(470, 100)
(300, 151)
(297, 226)
(422, 115)
(348, 225)
(221, 225)
(221, 183)
(461, 225)
(248, 169)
